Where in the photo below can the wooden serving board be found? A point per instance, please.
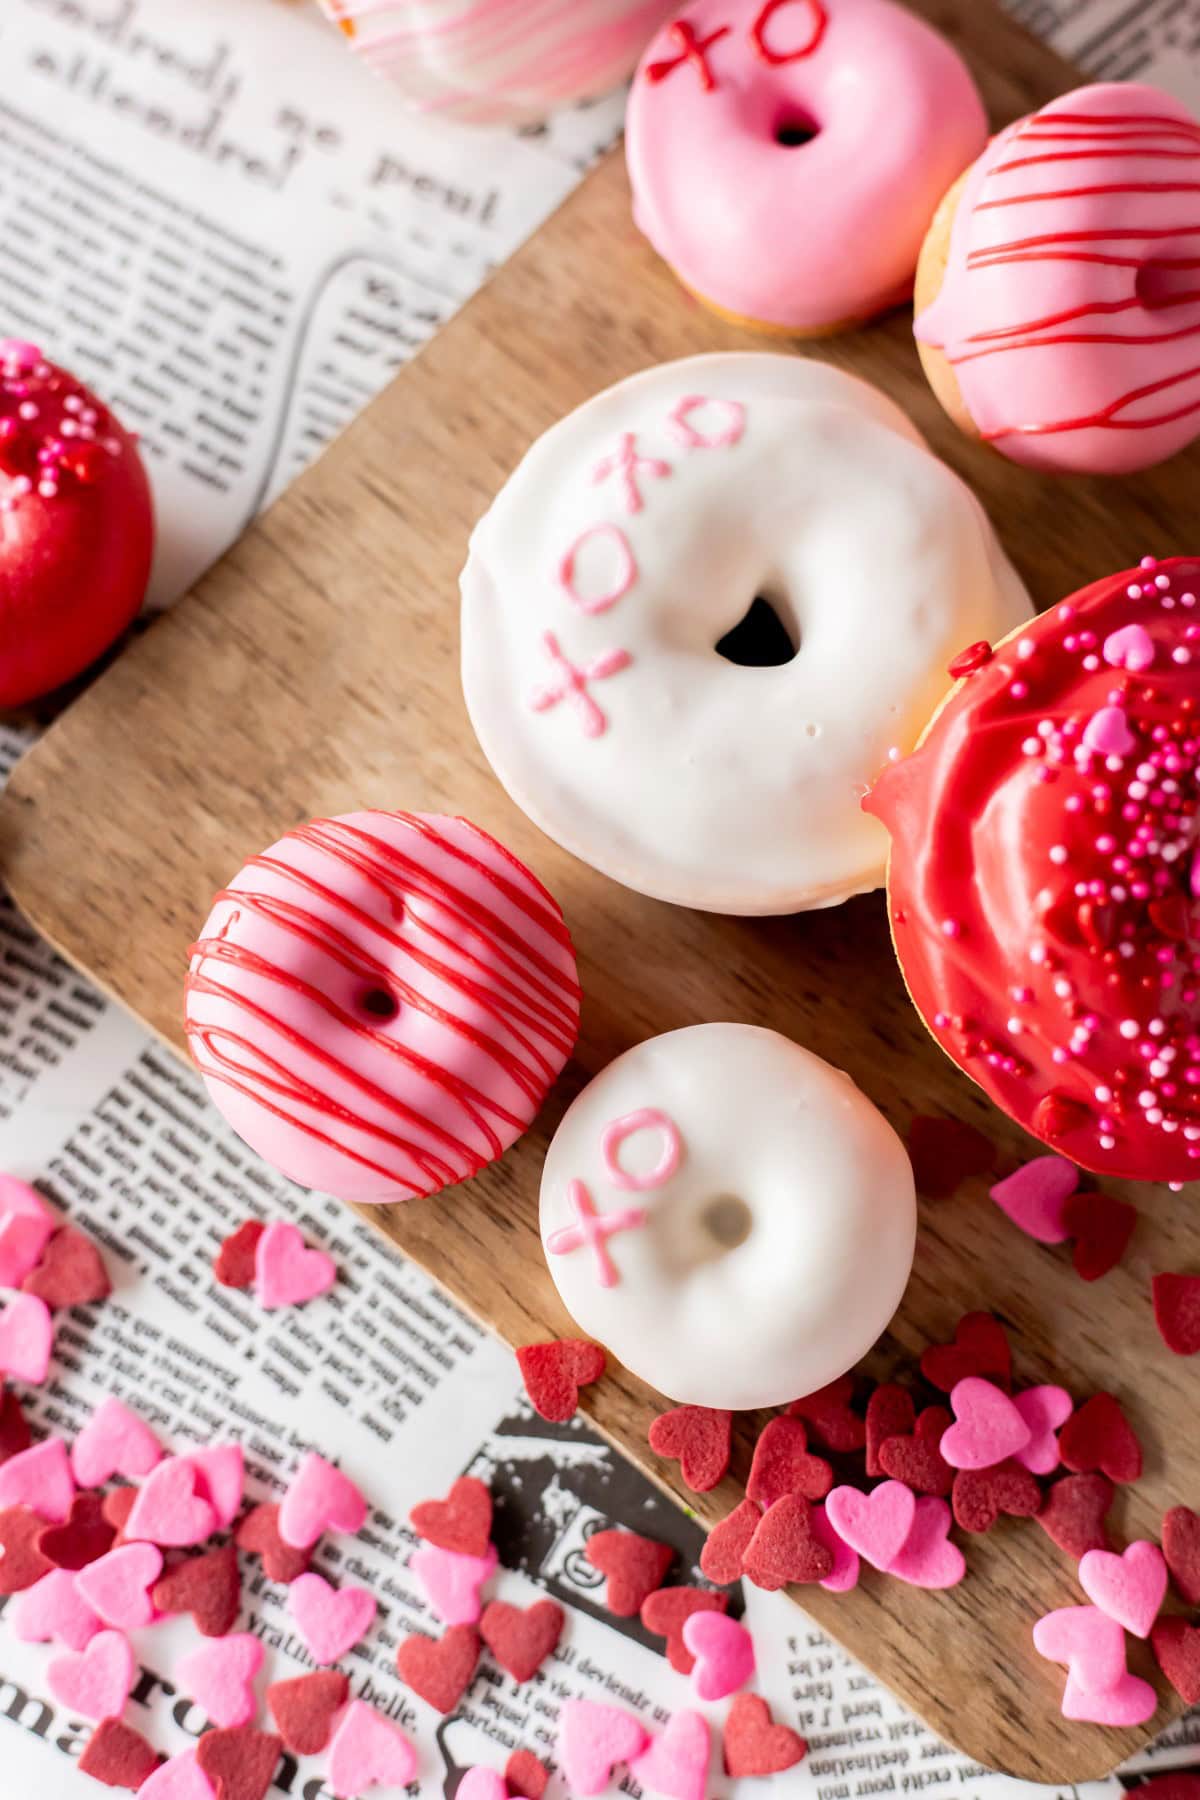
(314, 670)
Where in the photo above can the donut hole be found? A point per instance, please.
(795, 129)
(1162, 284)
(761, 639)
(379, 1003)
(726, 1221)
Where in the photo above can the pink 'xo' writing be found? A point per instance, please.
(591, 1229)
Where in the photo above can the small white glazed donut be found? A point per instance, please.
(729, 1215)
(667, 517)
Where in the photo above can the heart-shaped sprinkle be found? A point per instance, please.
(1130, 647)
(945, 1153)
(917, 1461)
(26, 1339)
(71, 1272)
(1074, 1511)
(1090, 1643)
(676, 1762)
(928, 1559)
(220, 1677)
(756, 1746)
(1035, 1198)
(526, 1777)
(23, 1238)
(258, 1535)
(41, 1479)
(1177, 1312)
(987, 1427)
(875, 1525)
(698, 1437)
(665, 1612)
(115, 1441)
(21, 1562)
(1130, 1588)
(180, 1779)
(208, 1587)
(220, 1479)
(890, 1414)
(14, 1427)
(451, 1581)
(981, 1495)
(440, 1670)
(305, 1707)
(286, 1271)
(233, 1265)
(1181, 1550)
(168, 1510)
(785, 1547)
(1101, 1228)
(1131, 1702)
(1045, 1410)
(844, 1573)
(521, 1639)
(979, 1348)
(19, 1199)
(239, 1761)
(724, 1653)
(554, 1373)
(1177, 1648)
(117, 1586)
(118, 1756)
(482, 1784)
(330, 1620)
(52, 1611)
(831, 1420)
(83, 1537)
(782, 1465)
(118, 1503)
(727, 1543)
(1107, 732)
(592, 1740)
(1098, 1436)
(368, 1751)
(320, 1498)
(462, 1522)
(634, 1565)
(97, 1681)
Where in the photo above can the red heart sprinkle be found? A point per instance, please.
(979, 1348)
(1074, 1511)
(699, 1437)
(116, 1506)
(521, 1638)
(753, 1745)
(525, 1775)
(441, 1669)
(1177, 1647)
(634, 1565)
(233, 1265)
(1181, 1548)
(1099, 1436)
(119, 1756)
(967, 661)
(71, 1272)
(944, 1153)
(22, 1562)
(462, 1522)
(727, 1543)
(1177, 1312)
(916, 1460)
(782, 1465)
(890, 1413)
(239, 1761)
(303, 1709)
(831, 1421)
(785, 1548)
(82, 1538)
(981, 1495)
(554, 1373)
(664, 1613)
(14, 1427)
(1101, 1228)
(209, 1587)
(258, 1535)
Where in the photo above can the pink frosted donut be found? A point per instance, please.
(787, 155)
(380, 1002)
(1069, 310)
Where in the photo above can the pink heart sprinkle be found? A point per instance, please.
(451, 1581)
(219, 1676)
(222, 1479)
(592, 1740)
(168, 1510)
(26, 1339)
(117, 1585)
(368, 1750)
(319, 1499)
(1107, 732)
(330, 1620)
(1045, 1410)
(23, 1237)
(1130, 1588)
(1131, 647)
(180, 1779)
(286, 1271)
(676, 1762)
(482, 1784)
(41, 1479)
(987, 1426)
(115, 1441)
(1131, 1702)
(97, 1683)
(724, 1653)
(53, 1611)
(1088, 1641)
(928, 1559)
(1035, 1197)
(18, 1197)
(845, 1571)
(876, 1525)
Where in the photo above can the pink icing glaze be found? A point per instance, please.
(1070, 308)
(802, 235)
(380, 1002)
(591, 1231)
(647, 1118)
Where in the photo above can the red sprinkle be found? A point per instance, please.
(554, 1373)
(727, 1543)
(119, 1757)
(1074, 1511)
(82, 1538)
(1099, 1436)
(209, 1587)
(968, 660)
(981, 1495)
(699, 1437)
(890, 1413)
(665, 1612)
(917, 1460)
(1101, 1228)
(304, 1709)
(1177, 1647)
(1177, 1312)
(521, 1638)
(258, 1535)
(782, 1465)
(14, 1427)
(525, 1775)
(755, 1746)
(979, 1348)
(22, 1561)
(1181, 1548)
(71, 1272)
(239, 1761)
(441, 1669)
(831, 1420)
(461, 1522)
(233, 1265)
(944, 1153)
(785, 1548)
(634, 1565)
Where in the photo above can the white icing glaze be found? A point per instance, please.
(633, 536)
(773, 1142)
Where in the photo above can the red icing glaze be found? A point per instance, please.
(76, 526)
(1041, 890)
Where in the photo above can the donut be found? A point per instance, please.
(1043, 879)
(380, 1003)
(695, 520)
(490, 61)
(1058, 306)
(786, 156)
(76, 525)
(729, 1215)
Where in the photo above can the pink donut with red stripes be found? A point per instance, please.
(380, 1003)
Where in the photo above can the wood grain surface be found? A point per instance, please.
(314, 670)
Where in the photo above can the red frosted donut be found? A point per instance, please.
(1044, 884)
(76, 525)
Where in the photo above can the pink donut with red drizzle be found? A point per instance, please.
(786, 156)
(380, 1003)
(1044, 883)
(1059, 293)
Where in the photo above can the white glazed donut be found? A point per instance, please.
(729, 1215)
(634, 536)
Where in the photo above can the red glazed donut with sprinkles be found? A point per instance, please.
(76, 526)
(1044, 881)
